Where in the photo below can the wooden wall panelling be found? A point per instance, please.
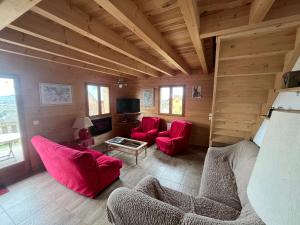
(241, 96)
(196, 110)
(258, 65)
(55, 121)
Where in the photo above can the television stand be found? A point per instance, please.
(126, 122)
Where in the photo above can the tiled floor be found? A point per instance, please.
(41, 200)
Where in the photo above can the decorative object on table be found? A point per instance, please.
(291, 79)
(197, 92)
(273, 189)
(82, 124)
(148, 97)
(55, 94)
(121, 83)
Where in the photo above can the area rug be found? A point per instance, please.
(3, 190)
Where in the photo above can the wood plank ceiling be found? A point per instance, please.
(133, 38)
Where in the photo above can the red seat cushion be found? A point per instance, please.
(139, 136)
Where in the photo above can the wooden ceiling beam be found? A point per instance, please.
(292, 57)
(13, 49)
(37, 26)
(10, 10)
(269, 26)
(130, 15)
(259, 9)
(191, 18)
(64, 14)
(23, 40)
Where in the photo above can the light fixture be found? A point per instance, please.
(121, 83)
(273, 190)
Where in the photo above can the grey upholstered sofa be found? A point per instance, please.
(222, 197)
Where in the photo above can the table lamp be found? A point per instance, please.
(274, 186)
(81, 125)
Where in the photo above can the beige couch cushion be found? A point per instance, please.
(242, 161)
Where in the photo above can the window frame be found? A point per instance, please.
(99, 100)
(170, 100)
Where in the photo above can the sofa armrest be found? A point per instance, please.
(143, 209)
(164, 134)
(136, 129)
(218, 182)
(194, 219)
(152, 132)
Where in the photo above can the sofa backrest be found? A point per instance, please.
(180, 128)
(149, 123)
(65, 164)
(242, 161)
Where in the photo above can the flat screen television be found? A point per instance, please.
(128, 105)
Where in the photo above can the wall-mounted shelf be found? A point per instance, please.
(295, 89)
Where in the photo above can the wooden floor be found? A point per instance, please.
(41, 200)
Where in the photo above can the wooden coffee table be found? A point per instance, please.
(127, 145)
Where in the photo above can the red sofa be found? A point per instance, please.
(84, 171)
(176, 139)
(147, 130)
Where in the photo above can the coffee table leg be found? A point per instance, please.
(145, 151)
(136, 158)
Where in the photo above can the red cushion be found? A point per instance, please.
(139, 136)
(78, 170)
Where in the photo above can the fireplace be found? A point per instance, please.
(101, 126)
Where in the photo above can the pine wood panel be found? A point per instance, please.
(55, 122)
(258, 65)
(196, 110)
(246, 75)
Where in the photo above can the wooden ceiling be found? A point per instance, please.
(133, 38)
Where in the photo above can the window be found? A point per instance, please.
(171, 100)
(98, 100)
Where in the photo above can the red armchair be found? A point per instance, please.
(147, 130)
(84, 171)
(176, 139)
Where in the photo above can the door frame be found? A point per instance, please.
(18, 170)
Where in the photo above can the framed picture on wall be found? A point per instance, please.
(197, 91)
(148, 97)
(55, 94)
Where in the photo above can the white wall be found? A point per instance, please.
(285, 100)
